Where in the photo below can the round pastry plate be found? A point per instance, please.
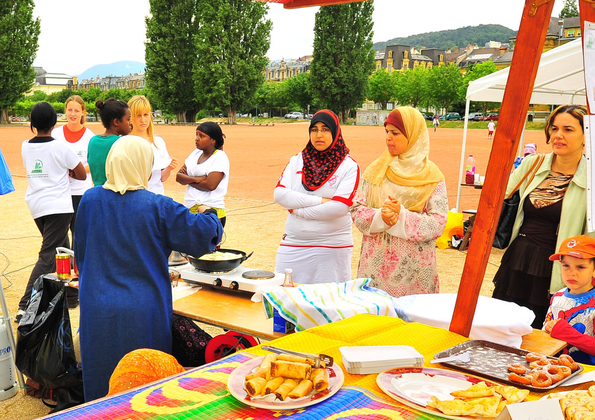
(235, 384)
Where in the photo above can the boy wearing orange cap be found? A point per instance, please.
(572, 310)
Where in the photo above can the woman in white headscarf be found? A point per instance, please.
(401, 208)
(123, 237)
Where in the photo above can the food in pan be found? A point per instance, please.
(286, 377)
(220, 256)
(479, 400)
(543, 371)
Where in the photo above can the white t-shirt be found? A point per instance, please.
(218, 162)
(77, 186)
(161, 160)
(313, 223)
(47, 166)
(491, 126)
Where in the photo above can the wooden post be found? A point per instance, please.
(587, 9)
(294, 4)
(525, 62)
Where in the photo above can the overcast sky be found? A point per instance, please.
(78, 34)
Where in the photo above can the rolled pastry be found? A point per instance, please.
(272, 385)
(266, 362)
(259, 373)
(303, 389)
(295, 359)
(254, 386)
(290, 369)
(285, 388)
(319, 378)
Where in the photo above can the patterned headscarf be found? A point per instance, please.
(413, 174)
(128, 165)
(320, 166)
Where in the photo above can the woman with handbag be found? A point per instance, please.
(552, 207)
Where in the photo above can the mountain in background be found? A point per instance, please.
(119, 68)
(461, 37)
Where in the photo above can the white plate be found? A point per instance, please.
(235, 385)
(413, 386)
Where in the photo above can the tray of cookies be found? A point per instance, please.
(505, 364)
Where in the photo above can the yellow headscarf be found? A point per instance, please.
(128, 165)
(413, 174)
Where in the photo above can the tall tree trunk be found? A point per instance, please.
(231, 116)
(181, 116)
(4, 116)
(190, 116)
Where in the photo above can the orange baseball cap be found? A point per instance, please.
(578, 246)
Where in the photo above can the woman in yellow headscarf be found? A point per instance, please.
(123, 237)
(401, 208)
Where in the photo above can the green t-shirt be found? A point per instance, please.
(99, 147)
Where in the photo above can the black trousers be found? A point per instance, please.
(54, 230)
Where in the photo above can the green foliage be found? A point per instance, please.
(38, 96)
(171, 57)
(412, 87)
(298, 90)
(475, 72)
(477, 35)
(58, 106)
(201, 114)
(445, 86)
(231, 43)
(19, 32)
(61, 96)
(382, 87)
(570, 9)
(343, 57)
(92, 95)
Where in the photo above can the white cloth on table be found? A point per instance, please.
(494, 320)
(310, 305)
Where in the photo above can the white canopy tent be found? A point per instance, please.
(560, 80)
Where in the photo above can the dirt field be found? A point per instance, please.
(258, 154)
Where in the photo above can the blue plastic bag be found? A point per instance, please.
(6, 185)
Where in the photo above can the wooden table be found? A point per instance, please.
(235, 311)
(228, 310)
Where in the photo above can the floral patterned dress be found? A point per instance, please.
(401, 260)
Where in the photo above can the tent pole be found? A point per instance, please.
(523, 70)
(462, 167)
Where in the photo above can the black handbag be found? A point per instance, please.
(510, 208)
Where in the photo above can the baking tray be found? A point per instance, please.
(490, 360)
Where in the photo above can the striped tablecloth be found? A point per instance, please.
(202, 393)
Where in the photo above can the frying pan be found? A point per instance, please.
(224, 265)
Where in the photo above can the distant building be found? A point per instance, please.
(49, 82)
(403, 57)
(131, 81)
(279, 71)
(560, 31)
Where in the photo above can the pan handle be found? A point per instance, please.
(247, 256)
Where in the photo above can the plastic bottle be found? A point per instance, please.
(470, 170)
(288, 282)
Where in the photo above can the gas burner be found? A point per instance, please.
(233, 280)
(215, 272)
(258, 275)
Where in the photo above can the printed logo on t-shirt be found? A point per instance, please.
(332, 180)
(38, 167)
(37, 171)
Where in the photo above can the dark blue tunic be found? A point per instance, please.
(121, 248)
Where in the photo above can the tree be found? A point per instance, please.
(411, 87)
(444, 86)
(475, 72)
(382, 87)
(298, 90)
(171, 57)
(231, 43)
(570, 9)
(343, 57)
(18, 46)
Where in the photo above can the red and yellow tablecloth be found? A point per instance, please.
(202, 393)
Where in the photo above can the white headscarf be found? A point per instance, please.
(128, 165)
